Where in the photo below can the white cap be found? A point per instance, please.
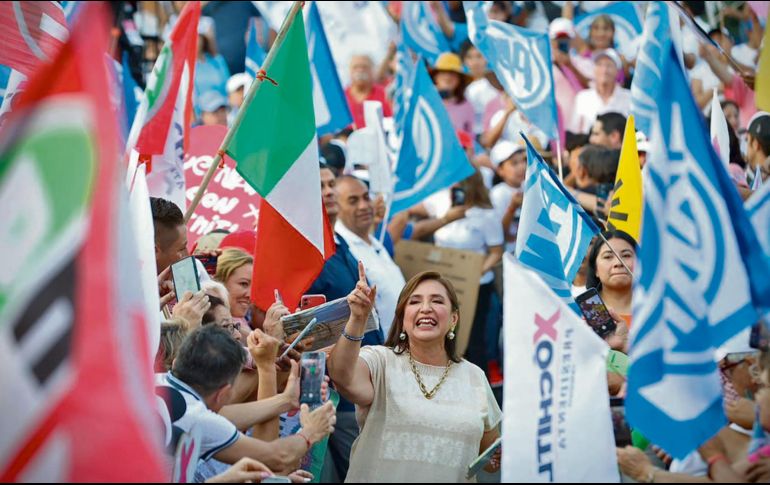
(611, 54)
(240, 80)
(642, 143)
(504, 150)
(561, 27)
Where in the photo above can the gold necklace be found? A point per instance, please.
(428, 394)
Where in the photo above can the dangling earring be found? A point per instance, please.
(451, 334)
(402, 336)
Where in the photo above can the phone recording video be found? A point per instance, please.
(596, 313)
(313, 365)
(185, 275)
(458, 196)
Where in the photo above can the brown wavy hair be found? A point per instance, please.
(393, 341)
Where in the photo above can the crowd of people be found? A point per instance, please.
(401, 402)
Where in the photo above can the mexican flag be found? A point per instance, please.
(71, 320)
(276, 151)
(160, 131)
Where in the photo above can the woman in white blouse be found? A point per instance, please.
(425, 414)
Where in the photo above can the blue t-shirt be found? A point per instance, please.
(231, 21)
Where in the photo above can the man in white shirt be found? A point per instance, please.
(604, 96)
(510, 159)
(354, 224)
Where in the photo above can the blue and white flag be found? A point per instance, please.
(700, 280)
(554, 231)
(431, 157)
(628, 26)
(521, 59)
(402, 84)
(331, 106)
(132, 93)
(421, 32)
(255, 54)
(758, 207)
(5, 76)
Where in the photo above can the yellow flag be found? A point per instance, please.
(762, 83)
(626, 209)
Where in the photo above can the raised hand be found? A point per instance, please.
(362, 298)
(262, 347)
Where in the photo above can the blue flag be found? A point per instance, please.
(646, 84)
(758, 207)
(521, 60)
(5, 75)
(431, 157)
(402, 84)
(255, 54)
(701, 278)
(420, 31)
(132, 93)
(554, 231)
(628, 25)
(331, 106)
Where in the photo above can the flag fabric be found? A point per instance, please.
(172, 75)
(13, 88)
(421, 32)
(701, 279)
(558, 426)
(521, 60)
(255, 54)
(758, 208)
(720, 138)
(402, 84)
(132, 93)
(626, 209)
(757, 182)
(554, 231)
(628, 26)
(31, 33)
(762, 83)
(332, 112)
(430, 158)
(646, 83)
(68, 295)
(276, 150)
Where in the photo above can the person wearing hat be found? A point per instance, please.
(606, 95)
(237, 86)
(211, 72)
(758, 144)
(451, 80)
(642, 147)
(510, 161)
(213, 109)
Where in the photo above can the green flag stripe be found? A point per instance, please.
(279, 123)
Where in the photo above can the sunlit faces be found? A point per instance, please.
(170, 246)
(329, 192)
(447, 81)
(605, 70)
(514, 170)
(355, 206)
(428, 314)
(609, 270)
(475, 62)
(602, 34)
(239, 288)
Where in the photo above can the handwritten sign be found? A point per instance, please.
(229, 202)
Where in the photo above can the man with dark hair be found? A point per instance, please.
(170, 233)
(758, 144)
(608, 130)
(204, 371)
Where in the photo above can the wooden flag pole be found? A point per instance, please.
(261, 77)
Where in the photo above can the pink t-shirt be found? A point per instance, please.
(462, 115)
(743, 96)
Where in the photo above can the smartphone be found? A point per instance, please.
(458, 196)
(619, 425)
(596, 313)
(185, 275)
(310, 301)
(563, 45)
(313, 365)
(482, 460)
(276, 479)
(209, 263)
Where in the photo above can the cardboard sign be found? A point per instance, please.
(229, 202)
(462, 268)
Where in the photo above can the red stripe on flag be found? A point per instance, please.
(25, 43)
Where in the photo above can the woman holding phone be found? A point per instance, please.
(425, 414)
(608, 275)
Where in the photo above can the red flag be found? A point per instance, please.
(174, 68)
(77, 399)
(30, 33)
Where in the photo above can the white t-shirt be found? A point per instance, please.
(381, 270)
(216, 432)
(438, 204)
(745, 54)
(517, 123)
(479, 93)
(501, 196)
(477, 231)
(589, 105)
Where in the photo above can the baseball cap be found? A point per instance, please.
(561, 27)
(609, 53)
(759, 126)
(211, 101)
(504, 150)
(237, 81)
(642, 143)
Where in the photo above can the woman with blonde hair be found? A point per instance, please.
(425, 414)
(234, 270)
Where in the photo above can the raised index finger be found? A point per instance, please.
(361, 272)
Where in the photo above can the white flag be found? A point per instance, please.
(557, 425)
(720, 138)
